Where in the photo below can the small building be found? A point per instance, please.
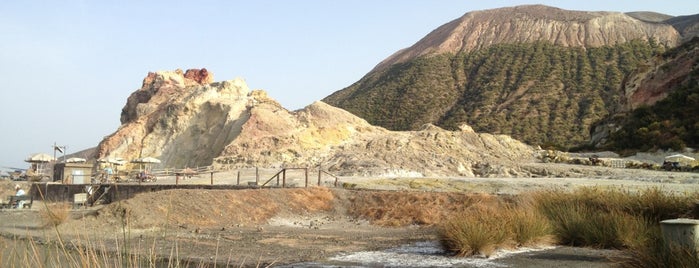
(73, 173)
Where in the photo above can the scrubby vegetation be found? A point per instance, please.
(538, 93)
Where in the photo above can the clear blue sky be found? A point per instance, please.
(67, 67)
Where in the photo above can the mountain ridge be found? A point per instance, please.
(529, 23)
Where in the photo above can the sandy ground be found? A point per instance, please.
(310, 237)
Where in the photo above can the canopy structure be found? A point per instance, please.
(39, 158)
(39, 166)
(145, 161)
(113, 160)
(76, 160)
(680, 158)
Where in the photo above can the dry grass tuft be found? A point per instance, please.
(311, 199)
(54, 214)
(478, 231)
(407, 207)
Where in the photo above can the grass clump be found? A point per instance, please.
(482, 230)
(476, 232)
(585, 217)
(657, 253)
(54, 214)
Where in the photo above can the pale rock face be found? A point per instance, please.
(180, 124)
(186, 124)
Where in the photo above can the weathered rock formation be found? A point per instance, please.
(654, 80)
(534, 23)
(185, 120)
(648, 84)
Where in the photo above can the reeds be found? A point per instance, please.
(481, 230)
(120, 251)
(586, 217)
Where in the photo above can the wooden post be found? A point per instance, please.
(238, 181)
(319, 173)
(177, 179)
(212, 178)
(283, 178)
(257, 176)
(306, 184)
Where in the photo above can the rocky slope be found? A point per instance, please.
(186, 120)
(658, 105)
(655, 79)
(534, 23)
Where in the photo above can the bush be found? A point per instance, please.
(54, 214)
(483, 229)
(479, 231)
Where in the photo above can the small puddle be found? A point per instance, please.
(420, 254)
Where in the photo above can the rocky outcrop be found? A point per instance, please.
(534, 23)
(179, 119)
(655, 80)
(185, 122)
(648, 84)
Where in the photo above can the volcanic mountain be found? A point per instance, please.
(541, 74)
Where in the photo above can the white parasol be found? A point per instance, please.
(113, 160)
(144, 161)
(39, 158)
(75, 160)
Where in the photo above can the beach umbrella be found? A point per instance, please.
(145, 161)
(75, 160)
(680, 158)
(39, 158)
(113, 160)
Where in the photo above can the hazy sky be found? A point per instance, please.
(67, 67)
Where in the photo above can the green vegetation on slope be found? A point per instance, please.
(672, 123)
(538, 93)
